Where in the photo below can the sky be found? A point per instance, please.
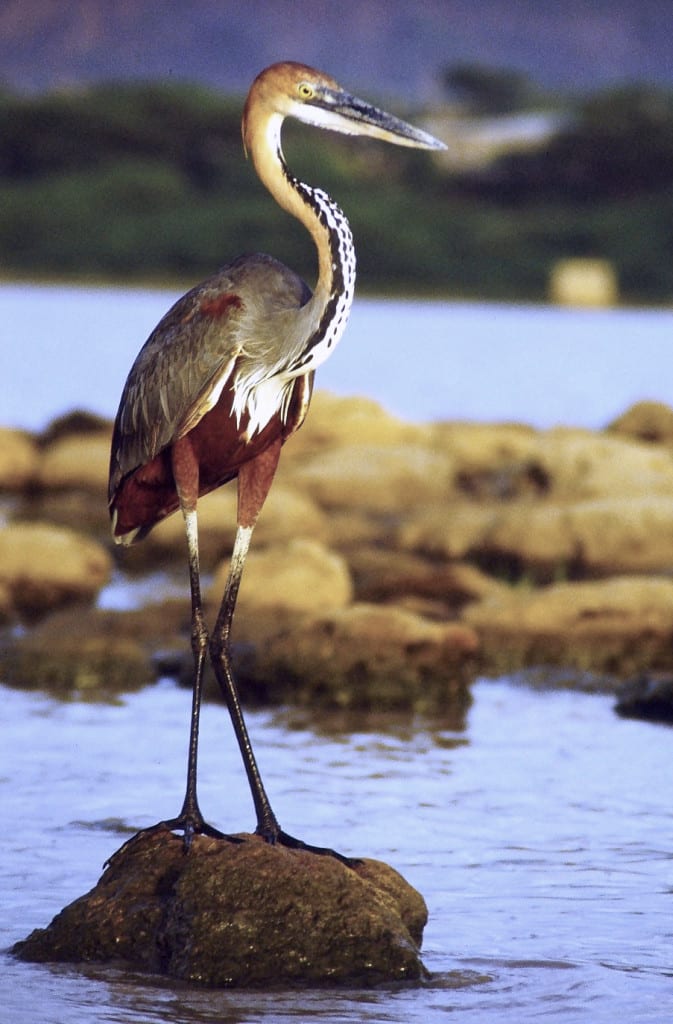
(389, 46)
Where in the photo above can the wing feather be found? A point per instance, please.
(178, 375)
(236, 318)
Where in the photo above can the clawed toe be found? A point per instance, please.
(187, 824)
(283, 839)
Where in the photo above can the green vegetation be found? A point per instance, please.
(150, 181)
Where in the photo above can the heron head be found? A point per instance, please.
(295, 90)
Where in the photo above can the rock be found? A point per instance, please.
(622, 534)
(79, 461)
(647, 697)
(493, 461)
(381, 478)
(298, 577)
(47, 566)
(547, 541)
(233, 914)
(534, 542)
(581, 465)
(335, 422)
(74, 508)
(645, 421)
(86, 652)
(586, 538)
(509, 462)
(351, 528)
(617, 627)
(79, 421)
(6, 605)
(382, 575)
(367, 657)
(19, 459)
(449, 531)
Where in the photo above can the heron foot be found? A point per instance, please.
(188, 824)
(191, 825)
(283, 839)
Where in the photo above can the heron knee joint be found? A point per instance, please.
(199, 636)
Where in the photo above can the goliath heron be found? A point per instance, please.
(226, 377)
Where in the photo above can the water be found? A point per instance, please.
(540, 836)
(62, 348)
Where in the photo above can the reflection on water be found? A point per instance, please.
(539, 834)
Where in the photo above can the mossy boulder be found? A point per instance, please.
(240, 913)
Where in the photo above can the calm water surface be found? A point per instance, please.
(62, 348)
(540, 836)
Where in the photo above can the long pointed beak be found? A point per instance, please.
(378, 124)
(348, 114)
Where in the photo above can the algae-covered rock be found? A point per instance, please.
(88, 652)
(297, 577)
(19, 459)
(81, 461)
(616, 627)
(47, 567)
(646, 421)
(366, 656)
(240, 913)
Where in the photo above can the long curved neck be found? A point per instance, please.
(326, 313)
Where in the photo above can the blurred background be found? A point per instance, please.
(121, 160)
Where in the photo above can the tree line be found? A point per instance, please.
(148, 181)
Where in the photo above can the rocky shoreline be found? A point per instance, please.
(391, 565)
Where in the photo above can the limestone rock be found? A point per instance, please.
(369, 657)
(19, 458)
(382, 575)
(493, 460)
(71, 507)
(381, 478)
(48, 566)
(238, 914)
(301, 576)
(79, 461)
(335, 422)
(76, 422)
(95, 654)
(549, 540)
(351, 528)
(646, 421)
(6, 606)
(448, 530)
(622, 534)
(619, 626)
(510, 462)
(581, 465)
(579, 539)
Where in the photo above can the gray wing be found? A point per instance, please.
(183, 366)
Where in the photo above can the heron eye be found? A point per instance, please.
(305, 90)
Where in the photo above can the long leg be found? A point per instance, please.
(186, 473)
(190, 820)
(254, 481)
